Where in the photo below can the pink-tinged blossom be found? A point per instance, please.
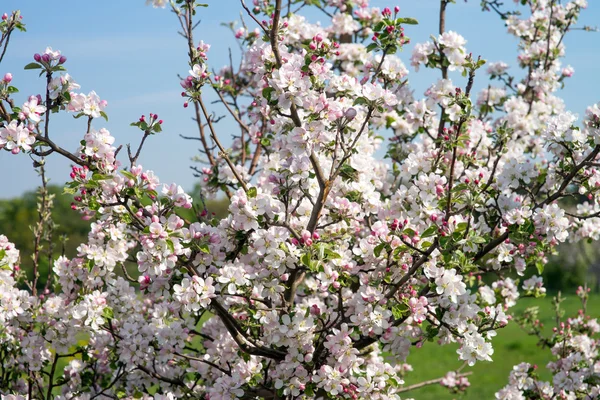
(497, 68)
(176, 193)
(418, 307)
(450, 284)
(157, 3)
(89, 104)
(194, 293)
(61, 84)
(32, 110)
(15, 137)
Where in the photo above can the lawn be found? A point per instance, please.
(511, 347)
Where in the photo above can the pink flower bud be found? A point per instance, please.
(315, 310)
(37, 57)
(62, 60)
(396, 9)
(4, 17)
(350, 113)
(7, 77)
(45, 58)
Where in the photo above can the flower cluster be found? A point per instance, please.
(15, 137)
(332, 264)
(574, 368)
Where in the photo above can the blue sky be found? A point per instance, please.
(130, 54)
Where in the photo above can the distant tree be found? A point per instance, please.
(19, 215)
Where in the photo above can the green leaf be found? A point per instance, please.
(461, 227)
(68, 190)
(305, 260)
(332, 255)
(103, 115)
(321, 248)
(379, 26)
(407, 21)
(100, 177)
(360, 101)
(204, 248)
(409, 232)
(540, 267)
(252, 192)
(128, 175)
(429, 232)
(12, 89)
(170, 245)
(378, 249)
(399, 310)
(267, 92)
(478, 240)
(444, 241)
(372, 47)
(33, 66)
(108, 313)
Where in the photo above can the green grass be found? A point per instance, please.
(511, 346)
